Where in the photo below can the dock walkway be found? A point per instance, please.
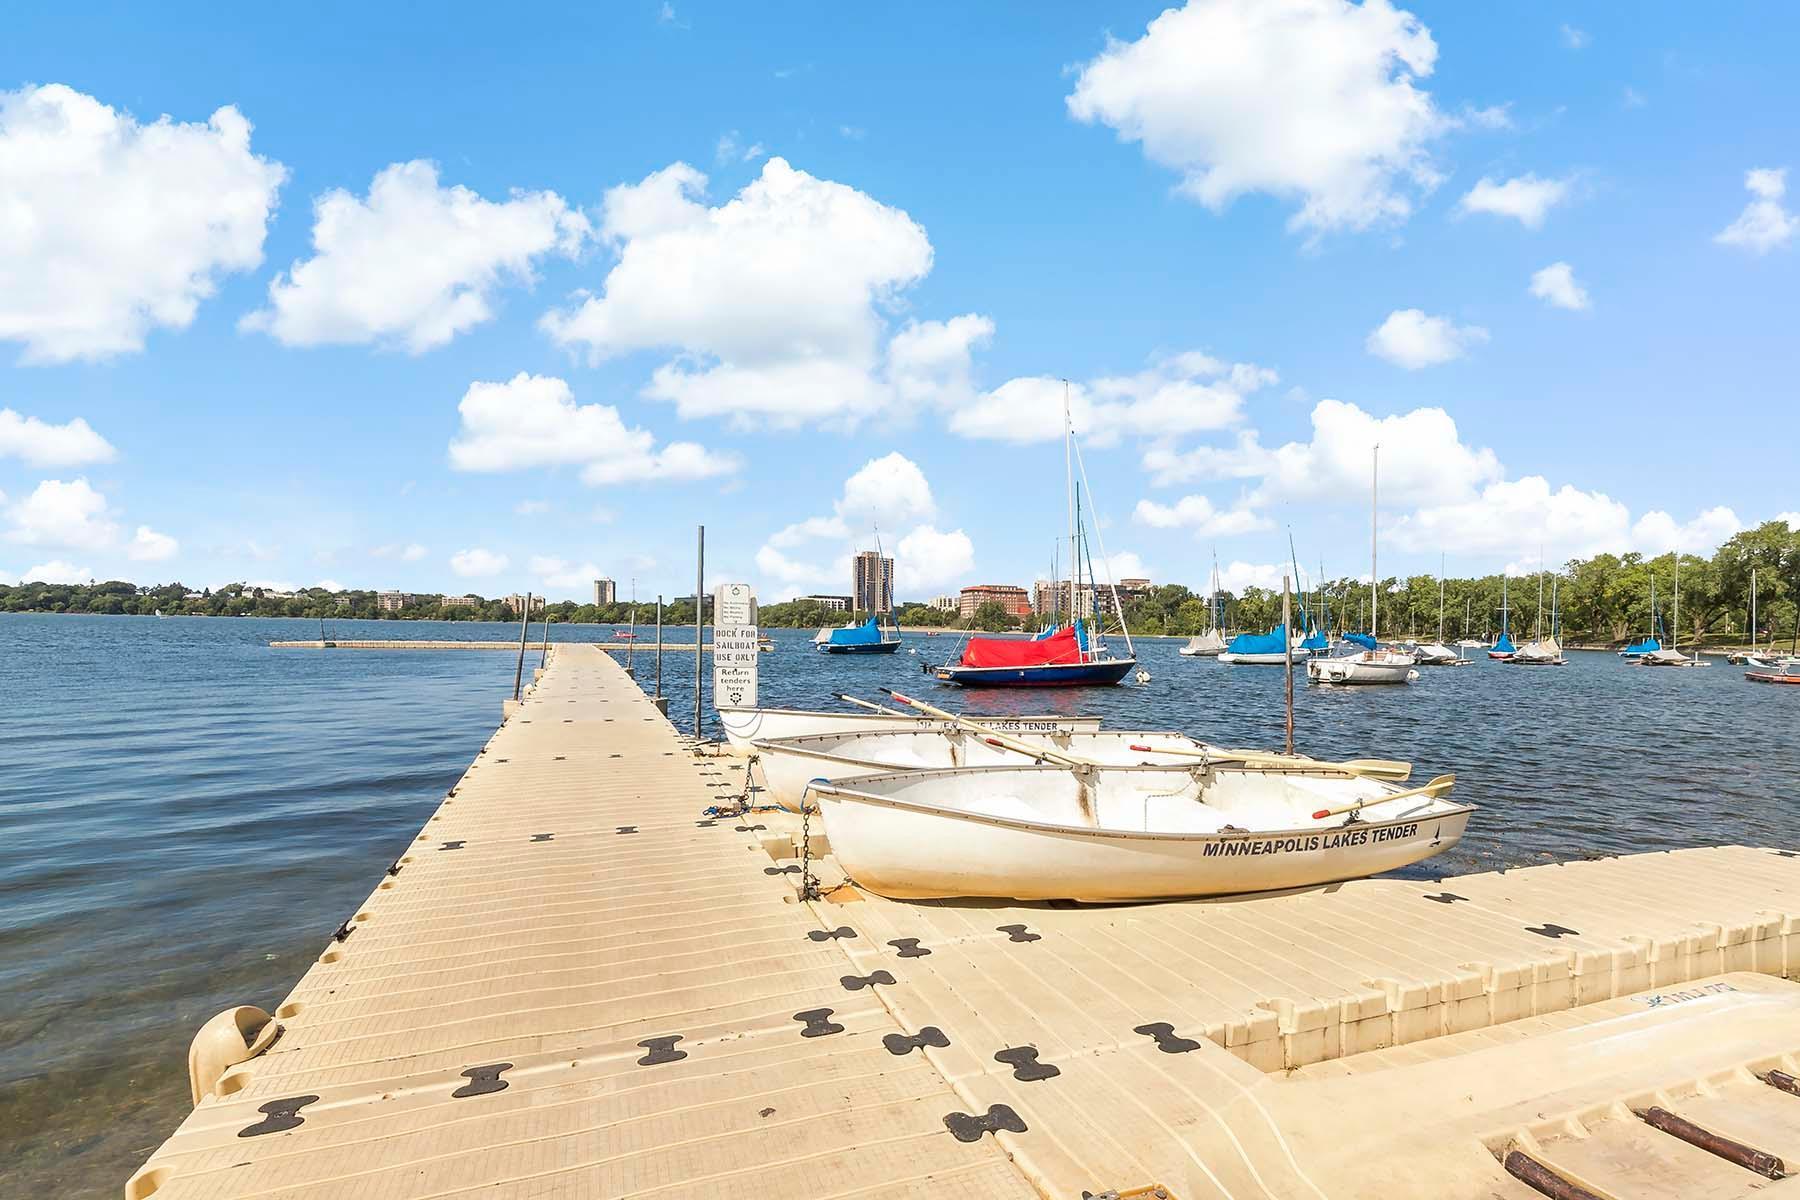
(575, 984)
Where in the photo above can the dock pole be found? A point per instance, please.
(524, 628)
(545, 660)
(699, 615)
(1287, 653)
(659, 646)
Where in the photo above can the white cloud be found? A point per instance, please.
(1234, 577)
(412, 553)
(731, 149)
(413, 265)
(1515, 516)
(1575, 39)
(150, 546)
(1307, 99)
(888, 490)
(533, 421)
(112, 228)
(1527, 199)
(42, 444)
(932, 362)
(926, 558)
(1764, 225)
(771, 302)
(1411, 339)
(56, 571)
(1198, 514)
(478, 563)
(531, 508)
(59, 513)
(1656, 532)
(564, 575)
(1556, 286)
(1180, 394)
(1494, 116)
(1246, 460)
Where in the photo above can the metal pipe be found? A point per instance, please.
(544, 661)
(1542, 1179)
(524, 628)
(1761, 1162)
(699, 613)
(1287, 654)
(659, 644)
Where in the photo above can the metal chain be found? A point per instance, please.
(809, 887)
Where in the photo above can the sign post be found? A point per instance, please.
(734, 646)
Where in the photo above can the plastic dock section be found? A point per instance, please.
(575, 984)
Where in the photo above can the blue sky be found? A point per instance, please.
(550, 289)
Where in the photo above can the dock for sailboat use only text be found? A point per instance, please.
(575, 982)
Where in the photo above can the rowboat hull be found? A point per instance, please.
(745, 725)
(790, 765)
(897, 846)
(864, 648)
(1106, 671)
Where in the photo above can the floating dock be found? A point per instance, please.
(576, 983)
(424, 644)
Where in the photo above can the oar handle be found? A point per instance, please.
(880, 708)
(1040, 753)
(1441, 784)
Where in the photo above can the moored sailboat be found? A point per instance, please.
(1211, 643)
(1371, 664)
(1503, 647)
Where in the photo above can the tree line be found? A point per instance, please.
(1604, 599)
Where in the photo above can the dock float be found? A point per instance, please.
(426, 644)
(578, 982)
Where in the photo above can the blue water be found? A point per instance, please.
(186, 813)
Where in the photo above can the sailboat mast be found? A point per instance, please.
(1753, 608)
(1069, 491)
(1675, 639)
(1374, 575)
(1440, 599)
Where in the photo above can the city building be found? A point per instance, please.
(1050, 599)
(1015, 600)
(606, 592)
(834, 603)
(947, 603)
(392, 601)
(515, 602)
(872, 587)
(1133, 589)
(461, 602)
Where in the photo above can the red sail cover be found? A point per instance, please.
(1059, 647)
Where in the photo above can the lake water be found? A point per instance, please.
(186, 814)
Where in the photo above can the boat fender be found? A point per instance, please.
(234, 1036)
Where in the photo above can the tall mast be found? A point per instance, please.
(1539, 629)
(1440, 599)
(1374, 575)
(1675, 638)
(1069, 490)
(1753, 608)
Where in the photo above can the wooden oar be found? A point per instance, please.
(993, 737)
(1435, 788)
(883, 709)
(1390, 769)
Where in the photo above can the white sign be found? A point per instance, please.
(734, 647)
(734, 604)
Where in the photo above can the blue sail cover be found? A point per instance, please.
(1272, 642)
(1645, 646)
(1505, 644)
(866, 634)
(1360, 639)
(1315, 641)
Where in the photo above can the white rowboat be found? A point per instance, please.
(745, 725)
(1125, 833)
(789, 765)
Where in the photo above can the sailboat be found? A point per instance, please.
(1069, 656)
(1371, 664)
(1503, 645)
(866, 637)
(1211, 643)
(1466, 642)
(1672, 656)
(1544, 650)
(1648, 644)
(1437, 654)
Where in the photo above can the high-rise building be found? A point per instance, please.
(1050, 598)
(872, 585)
(1013, 599)
(606, 592)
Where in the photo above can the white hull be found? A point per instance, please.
(1206, 645)
(745, 725)
(1370, 667)
(789, 765)
(1436, 654)
(1022, 833)
(1263, 660)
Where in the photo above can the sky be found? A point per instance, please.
(452, 299)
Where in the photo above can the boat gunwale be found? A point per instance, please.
(917, 721)
(826, 787)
